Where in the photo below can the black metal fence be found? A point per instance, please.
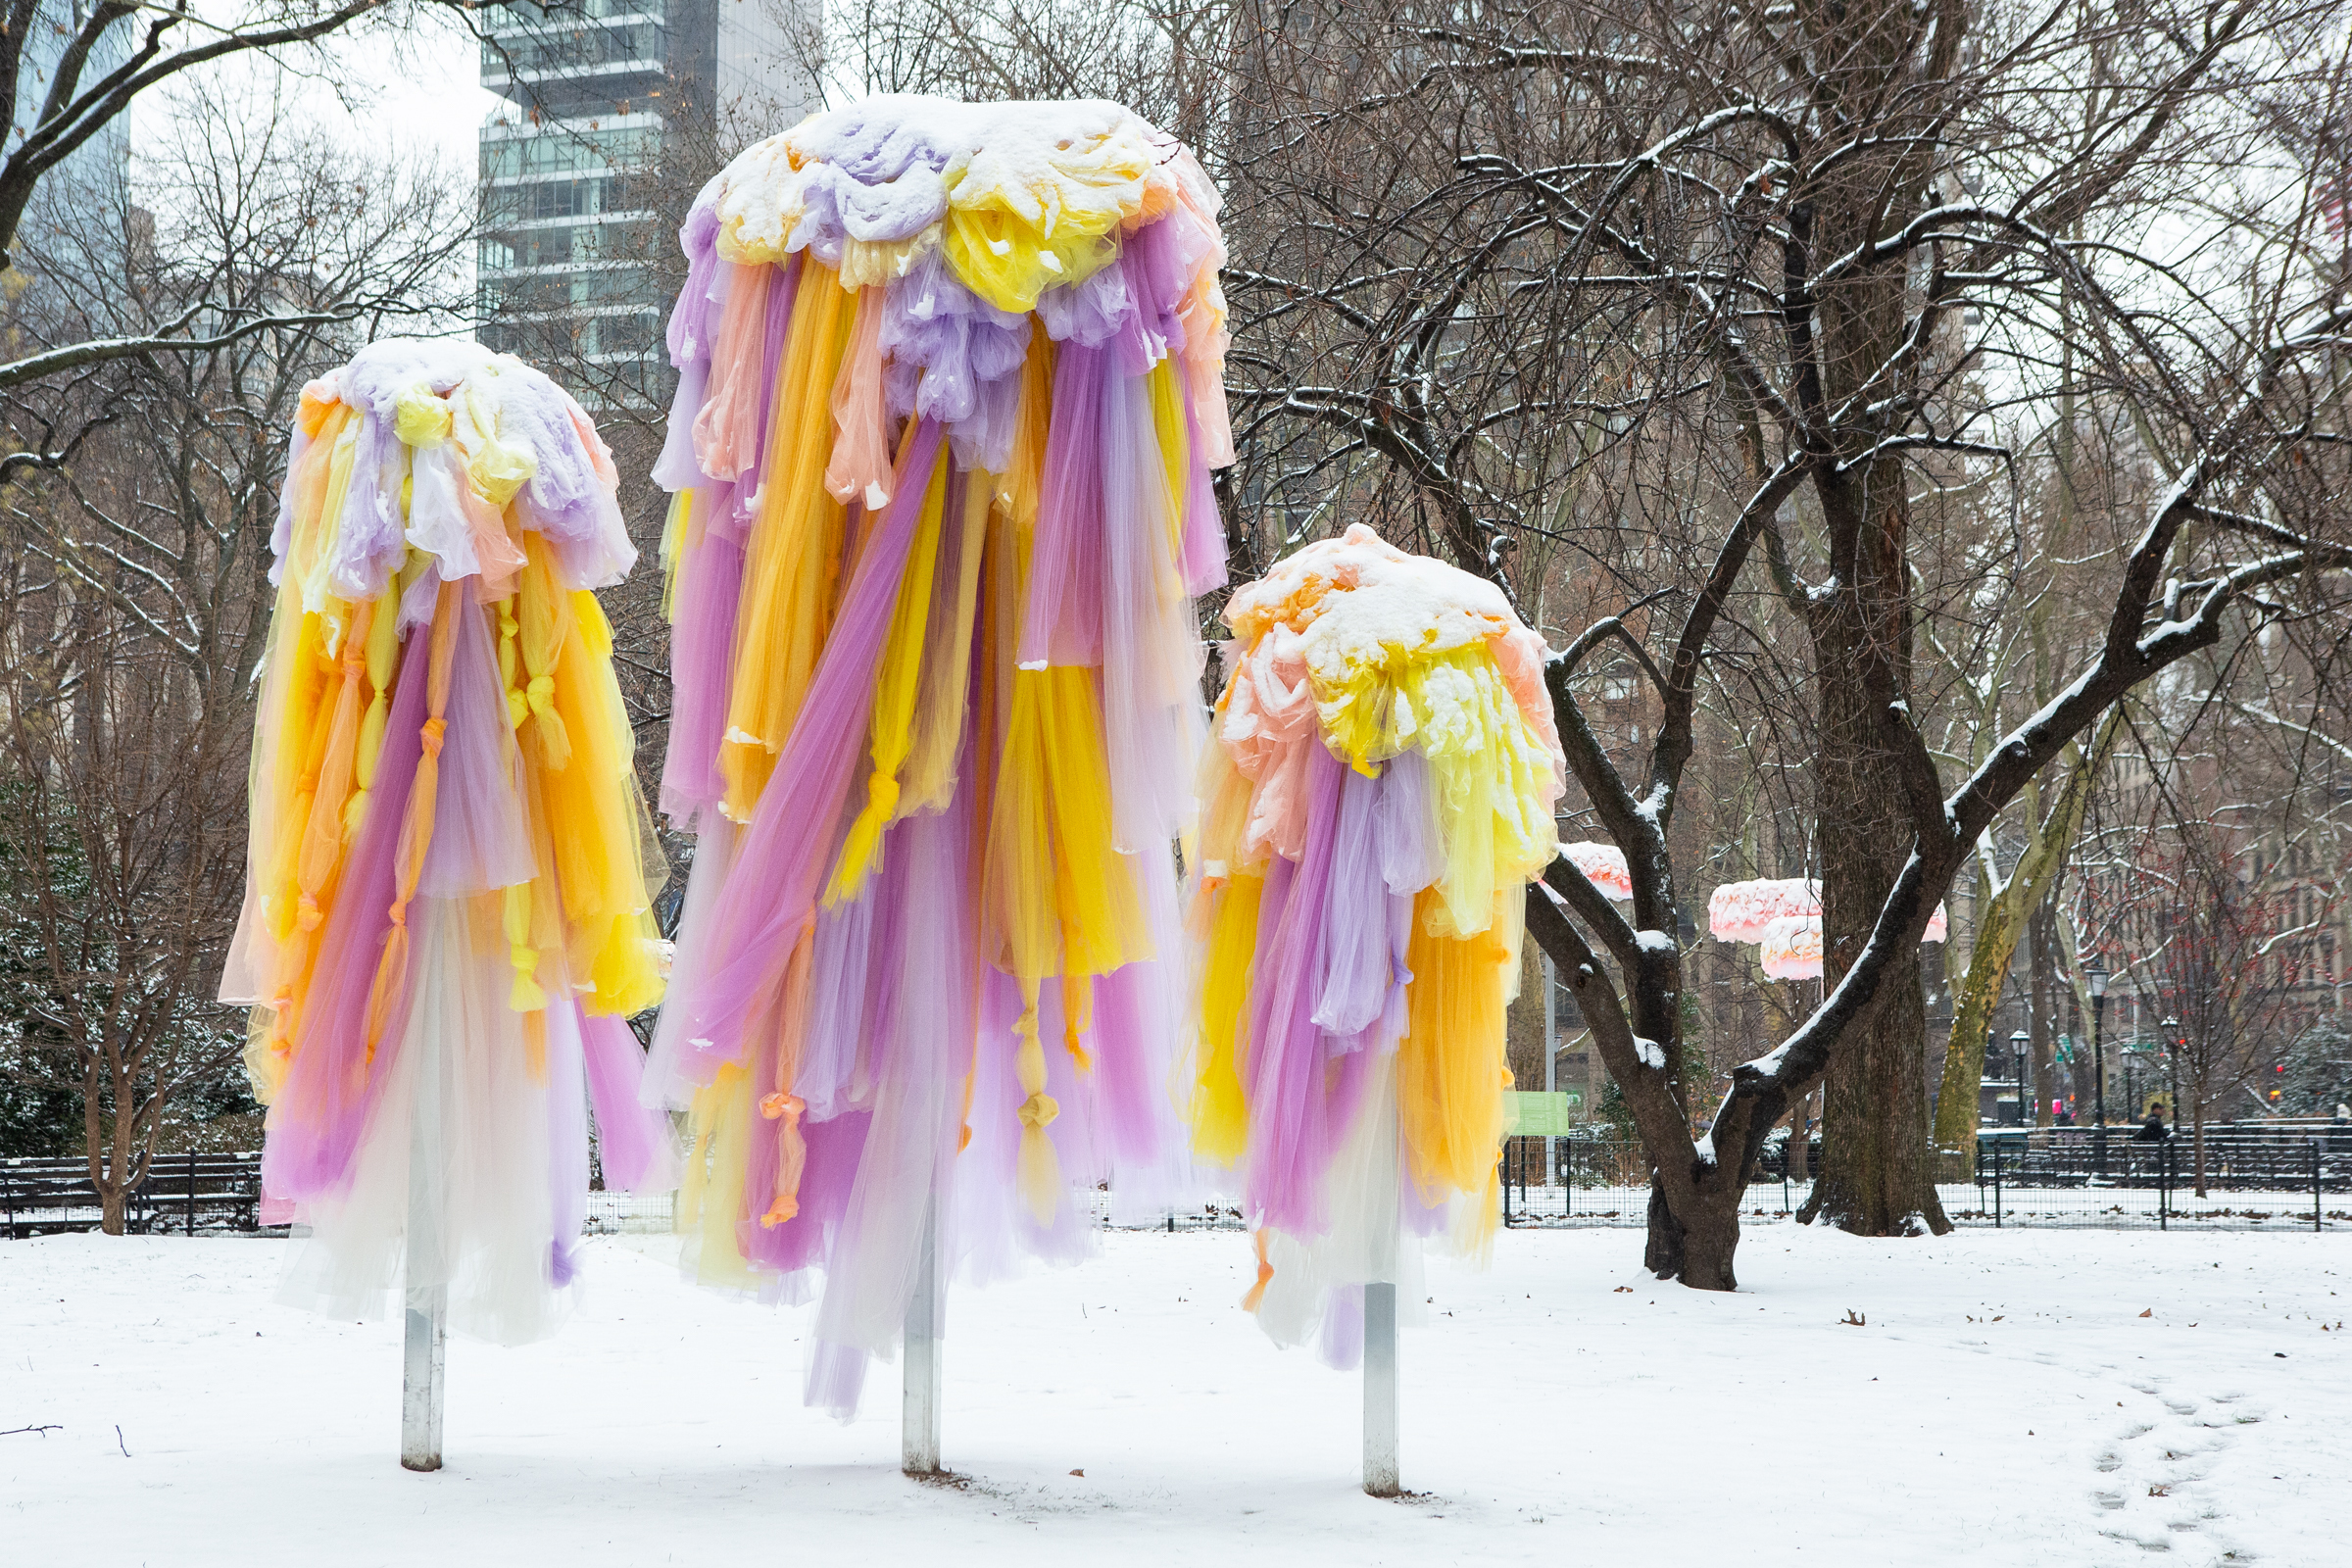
(182, 1192)
(2253, 1177)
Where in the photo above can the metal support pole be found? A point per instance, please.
(2098, 1072)
(918, 1431)
(1380, 1389)
(1551, 1064)
(1996, 1186)
(426, 1320)
(2314, 1185)
(2163, 1187)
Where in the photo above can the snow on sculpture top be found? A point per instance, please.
(446, 435)
(1018, 196)
(973, 216)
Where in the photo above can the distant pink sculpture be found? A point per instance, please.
(1791, 948)
(1603, 865)
(1783, 915)
(1739, 911)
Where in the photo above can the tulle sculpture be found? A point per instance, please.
(1603, 865)
(447, 911)
(949, 392)
(1380, 791)
(1781, 915)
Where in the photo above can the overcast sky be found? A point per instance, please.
(412, 88)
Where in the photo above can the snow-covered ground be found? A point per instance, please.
(2004, 1401)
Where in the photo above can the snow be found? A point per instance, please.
(890, 164)
(1651, 941)
(1653, 1053)
(2001, 1401)
(1389, 603)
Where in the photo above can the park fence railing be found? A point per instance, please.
(2255, 1176)
(182, 1192)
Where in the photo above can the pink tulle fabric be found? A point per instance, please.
(1603, 865)
(1790, 946)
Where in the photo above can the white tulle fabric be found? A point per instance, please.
(478, 1214)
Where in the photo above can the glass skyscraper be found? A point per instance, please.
(611, 102)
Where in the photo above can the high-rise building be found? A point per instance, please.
(605, 101)
(56, 23)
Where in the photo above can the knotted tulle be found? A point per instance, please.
(446, 865)
(935, 714)
(1380, 789)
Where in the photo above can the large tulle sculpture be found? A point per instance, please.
(950, 395)
(447, 912)
(1381, 792)
(1781, 915)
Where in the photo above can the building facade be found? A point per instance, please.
(615, 110)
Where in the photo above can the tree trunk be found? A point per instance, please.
(2043, 1019)
(113, 1200)
(1800, 1141)
(1972, 1003)
(1696, 1249)
(1876, 1168)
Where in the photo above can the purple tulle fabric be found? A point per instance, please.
(566, 1144)
(788, 847)
(1150, 653)
(1297, 1107)
(481, 839)
(315, 1121)
(633, 1142)
(1203, 524)
(944, 341)
(1063, 619)
(701, 653)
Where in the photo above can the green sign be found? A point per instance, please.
(1531, 1115)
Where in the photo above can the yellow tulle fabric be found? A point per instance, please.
(328, 680)
(1354, 651)
(923, 244)
(794, 554)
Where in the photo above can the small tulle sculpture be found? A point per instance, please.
(1781, 915)
(950, 393)
(446, 913)
(1381, 792)
(1603, 865)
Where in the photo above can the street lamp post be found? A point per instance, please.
(2172, 1060)
(2096, 973)
(2017, 1053)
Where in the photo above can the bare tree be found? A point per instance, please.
(137, 577)
(1752, 243)
(156, 45)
